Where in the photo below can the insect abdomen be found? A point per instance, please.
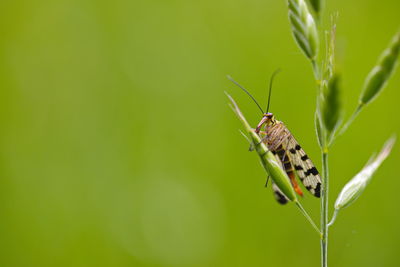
(288, 167)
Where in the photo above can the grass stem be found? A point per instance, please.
(350, 121)
(304, 212)
(316, 71)
(333, 218)
(324, 209)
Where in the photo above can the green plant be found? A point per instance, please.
(329, 112)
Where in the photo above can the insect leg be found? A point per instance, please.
(284, 155)
(266, 184)
(252, 147)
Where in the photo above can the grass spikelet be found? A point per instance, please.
(303, 28)
(331, 108)
(354, 188)
(268, 160)
(381, 73)
(316, 5)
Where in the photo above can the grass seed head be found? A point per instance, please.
(354, 188)
(330, 104)
(380, 74)
(304, 28)
(316, 5)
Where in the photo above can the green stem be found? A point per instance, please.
(333, 218)
(304, 212)
(324, 209)
(350, 121)
(316, 71)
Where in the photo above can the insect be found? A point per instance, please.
(287, 151)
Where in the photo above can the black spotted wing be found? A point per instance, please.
(279, 195)
(304, 167)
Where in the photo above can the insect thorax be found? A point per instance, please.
(276, 133)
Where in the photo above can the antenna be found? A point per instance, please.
(247, 92)
(271, 80)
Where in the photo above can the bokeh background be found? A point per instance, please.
(118, 148)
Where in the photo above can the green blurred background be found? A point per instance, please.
(118, 148)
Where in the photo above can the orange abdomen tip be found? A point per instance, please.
(296, 186)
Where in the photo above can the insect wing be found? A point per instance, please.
(278, 195)
(304, 167)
